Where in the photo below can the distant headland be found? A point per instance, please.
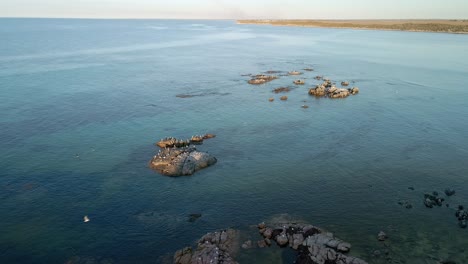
(428, 25)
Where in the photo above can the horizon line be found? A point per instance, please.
(236, 19)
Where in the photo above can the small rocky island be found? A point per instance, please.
(179, 157)
(312, 244)
(328, 89)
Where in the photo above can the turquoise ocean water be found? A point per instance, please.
(83, 101)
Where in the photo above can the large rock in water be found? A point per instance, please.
(212, 248)
(181, 161)
(314, 245)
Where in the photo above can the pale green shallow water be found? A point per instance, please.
(105, 90)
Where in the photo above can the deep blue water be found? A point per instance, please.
(83, 101)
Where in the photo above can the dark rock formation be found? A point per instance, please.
(308, 69)
(181, 161)
(318, 78)
(462, 216)
(449, 192)
(405, 204)
(212, 248)
(344, 83)
(431, 200)
(281, 90)
(313, 245)
(193, 217)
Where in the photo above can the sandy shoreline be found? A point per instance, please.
(436, 26)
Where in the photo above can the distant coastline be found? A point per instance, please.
(439, 26)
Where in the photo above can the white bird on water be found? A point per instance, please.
(85, 219)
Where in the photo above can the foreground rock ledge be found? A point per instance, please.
(312, 244)
(212, 248)
(181, 161)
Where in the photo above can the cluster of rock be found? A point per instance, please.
(177, 157)
(431, 200)
(212, 248)
(328, 89)
(262, 78)
(312, 244)
(462, 216)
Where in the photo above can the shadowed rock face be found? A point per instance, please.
(313, 244)
(181, 161)
(212, 248)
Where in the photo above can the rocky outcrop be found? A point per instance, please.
(313, 244)
(181, 161)
(308, 69)
(299, 82)
(262, 78)
(328, 89)
(213, 248)
(283, 98)
(345, 83)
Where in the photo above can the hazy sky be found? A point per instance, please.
(313, 9)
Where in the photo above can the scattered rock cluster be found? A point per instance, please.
(177, 157)
(312, 244)
(431, 200)
(212, 248)
(328, 89)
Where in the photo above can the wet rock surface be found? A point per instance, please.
(312, 244)
(212, 248)
(181, 161)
